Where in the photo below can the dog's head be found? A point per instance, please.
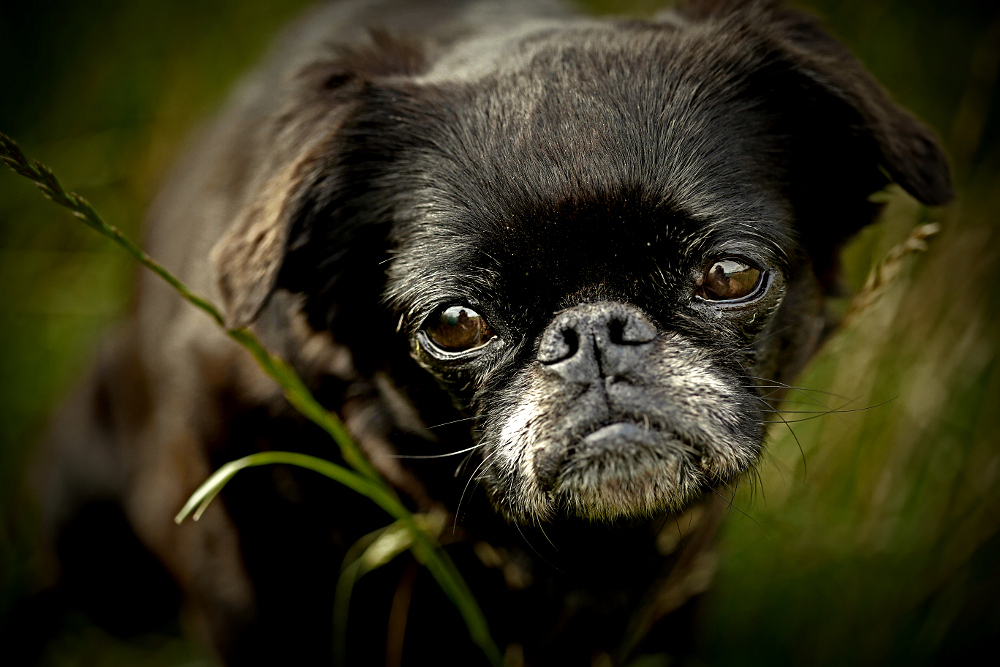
(603, 239)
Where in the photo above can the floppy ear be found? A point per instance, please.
(841, 91)
(842, 137)
(298, 226)
(907, 149)
(248, 257)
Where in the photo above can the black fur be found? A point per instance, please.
(571, 181)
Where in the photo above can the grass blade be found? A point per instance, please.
(366, 481)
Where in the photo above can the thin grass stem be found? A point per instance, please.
(366, 480)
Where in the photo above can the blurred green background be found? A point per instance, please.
(878, 542)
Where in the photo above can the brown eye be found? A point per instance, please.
(458, 328)
(728, 280)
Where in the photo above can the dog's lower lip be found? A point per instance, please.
(619, 434)
(614, 440)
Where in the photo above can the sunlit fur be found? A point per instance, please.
(703, 431)
(547, 170)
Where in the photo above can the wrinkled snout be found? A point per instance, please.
(594, 341)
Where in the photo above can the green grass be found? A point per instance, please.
(885, 551)
(364, 479)
(882, 549)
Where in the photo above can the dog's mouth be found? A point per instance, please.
(623, 468)
(598, 447)
(637, 446)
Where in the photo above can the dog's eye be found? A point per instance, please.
(458, 328)
(728, 280)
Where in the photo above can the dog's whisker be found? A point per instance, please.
(662, 523)
(777, 387)
(803, 390)
(747, 349)
(771, 396)
(757, 482)
(464, 465)
(778, 410)
(536, 551)
(780, 399)
(841, 409)
(436, 456)
(732, 506)
(453, 421)
(835, 411)
(798, 443)
(541, 529)
(786, 411)
(831, 411)
(458, 507)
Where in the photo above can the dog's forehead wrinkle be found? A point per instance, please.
(452, 237)
(536, 115)
(483, 252)
(769, 243)
(424, 289)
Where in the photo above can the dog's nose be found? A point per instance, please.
(596, 340)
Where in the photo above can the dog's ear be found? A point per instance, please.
(908, 150)
(303, 220)
(248, 258)
(838, 84)
(842, 136)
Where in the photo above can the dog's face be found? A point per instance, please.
(607, 242)
(593, 286)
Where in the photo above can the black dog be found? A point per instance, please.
(580, 251)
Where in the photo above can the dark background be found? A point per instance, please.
(877, 543)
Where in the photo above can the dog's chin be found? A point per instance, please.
(626, 471)
(618, 473)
